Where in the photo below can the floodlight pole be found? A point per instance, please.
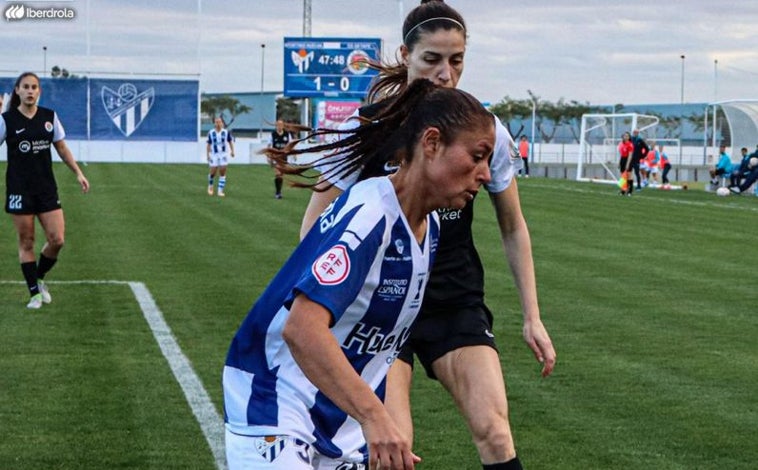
(534, 119)
(44, 61)
(682, 88)
(263, 55)
(715, 79)
(304, 112)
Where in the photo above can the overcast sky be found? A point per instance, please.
(596, 51)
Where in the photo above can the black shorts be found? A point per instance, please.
(442, 331)
(23, 204)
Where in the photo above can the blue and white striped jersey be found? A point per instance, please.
(218, 141)
(362, 263)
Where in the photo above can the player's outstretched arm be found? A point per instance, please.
(518, 250)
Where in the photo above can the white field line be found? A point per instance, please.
(210, 422)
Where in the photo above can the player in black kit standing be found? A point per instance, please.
(29, 131)
(280, 137)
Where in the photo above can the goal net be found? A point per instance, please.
(599, 139)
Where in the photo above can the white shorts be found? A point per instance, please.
(278, 453)
(218, 159)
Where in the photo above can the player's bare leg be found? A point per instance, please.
(55, 228)
(211, 176)
(474, 378)
(25, 229)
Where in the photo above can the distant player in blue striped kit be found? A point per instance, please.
(220, 145)
(305, 375)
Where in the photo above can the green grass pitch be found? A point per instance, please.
(651, 302)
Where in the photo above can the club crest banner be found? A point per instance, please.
(127, 107)
(121, 109)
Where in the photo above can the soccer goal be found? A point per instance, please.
(599, 139)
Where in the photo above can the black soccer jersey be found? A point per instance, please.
(457, 275)
(30, 169)
(279, 141)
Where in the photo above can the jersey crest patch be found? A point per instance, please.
(269, 447)
(332, 267)
(48, 126)
(127, 107)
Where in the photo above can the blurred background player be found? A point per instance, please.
(649, 166)
(750, 176)
(523, 150)
(280, 137)
(31, 189)
(626, 148)
(723, 167)
(665, 165)
(220, 145)
(640, 150)
(740, 170)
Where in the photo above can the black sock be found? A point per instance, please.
(45, 264)
(278, 185)
(30, 276)
(513, 464)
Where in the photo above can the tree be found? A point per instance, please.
(287, 109)
(571, 115)
(225, 106)
(549, 118)
(59, 72)
(698, 121)
(509, 110)
(672, 126)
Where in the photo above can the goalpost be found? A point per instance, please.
(600, 135)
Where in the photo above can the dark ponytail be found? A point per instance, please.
(390, 136)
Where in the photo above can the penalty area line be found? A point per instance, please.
(211, 424)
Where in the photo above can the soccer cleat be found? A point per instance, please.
(735, 189)
(46, 297)
(35, 302)
(221, 193)
(277, 196)
(210, 190)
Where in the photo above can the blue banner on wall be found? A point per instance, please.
(143, 109)
(121, 109)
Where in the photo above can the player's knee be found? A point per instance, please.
(26, 243)
(493, 437)
(55, 241)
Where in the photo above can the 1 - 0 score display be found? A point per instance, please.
(329, 67)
